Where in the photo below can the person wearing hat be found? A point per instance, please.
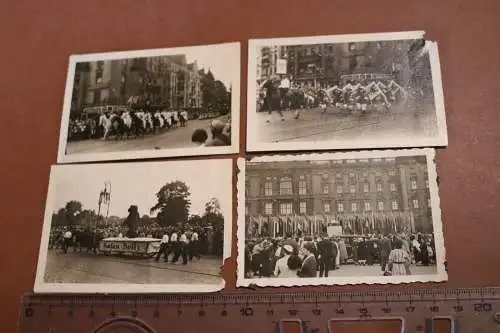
(218, 137)
(309, 264)
(281, 269)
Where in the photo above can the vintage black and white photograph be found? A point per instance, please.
(151, 103)
(345, 92)
(136, 227)
(336, 219)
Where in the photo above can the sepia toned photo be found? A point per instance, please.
(151, 103)
(344, 92)
(336, 219)
(136, 227)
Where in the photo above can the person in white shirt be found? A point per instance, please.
(194, 246)
(184, 247)
(175, 246)
(282, 268)
(163, 248)
(67, 238)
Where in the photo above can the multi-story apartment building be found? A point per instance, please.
(268, 60)
(324, 64)
(164, 80)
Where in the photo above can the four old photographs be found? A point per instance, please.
(344, 92)
(170, 102)
(311, 219)
(136, 227)
(341, 218)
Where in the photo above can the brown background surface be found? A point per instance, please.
(37, 38)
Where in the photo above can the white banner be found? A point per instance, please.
(129, 246)
(281, 66)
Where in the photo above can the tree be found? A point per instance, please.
(59, 218)
(195, 220)
(214, 92)
(173, 203)
(72, 209)
(147, 220)
(86, 216)
(213, 214)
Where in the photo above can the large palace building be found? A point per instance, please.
(352, 187)
(165, 80)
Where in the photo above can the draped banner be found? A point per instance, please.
(367, 223)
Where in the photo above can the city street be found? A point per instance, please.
(99, 268)
(336, 124)
(176, 138)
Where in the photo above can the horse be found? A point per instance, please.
(117, 126)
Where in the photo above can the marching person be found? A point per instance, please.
(174, 246)
(194, 246)
(272, 97)
(184, 247)
(67, 238)
(284, 87)
(163, 248)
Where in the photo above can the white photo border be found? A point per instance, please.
(233, 54)
(253, 141)
(43, 287)
(441, 274)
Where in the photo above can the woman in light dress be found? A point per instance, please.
(399, 260)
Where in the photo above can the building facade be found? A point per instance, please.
(341, 187)
(165, 80)
(323, 65)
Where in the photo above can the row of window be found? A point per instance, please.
(286, 208)
(286, 187)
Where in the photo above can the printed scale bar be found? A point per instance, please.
(414, 295)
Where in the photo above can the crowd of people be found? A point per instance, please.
(295, 256)
(186, 242)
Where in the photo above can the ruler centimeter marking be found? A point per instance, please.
(469, 310)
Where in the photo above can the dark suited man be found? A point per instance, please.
(327, 253)
(309, 264)
(385, 248)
